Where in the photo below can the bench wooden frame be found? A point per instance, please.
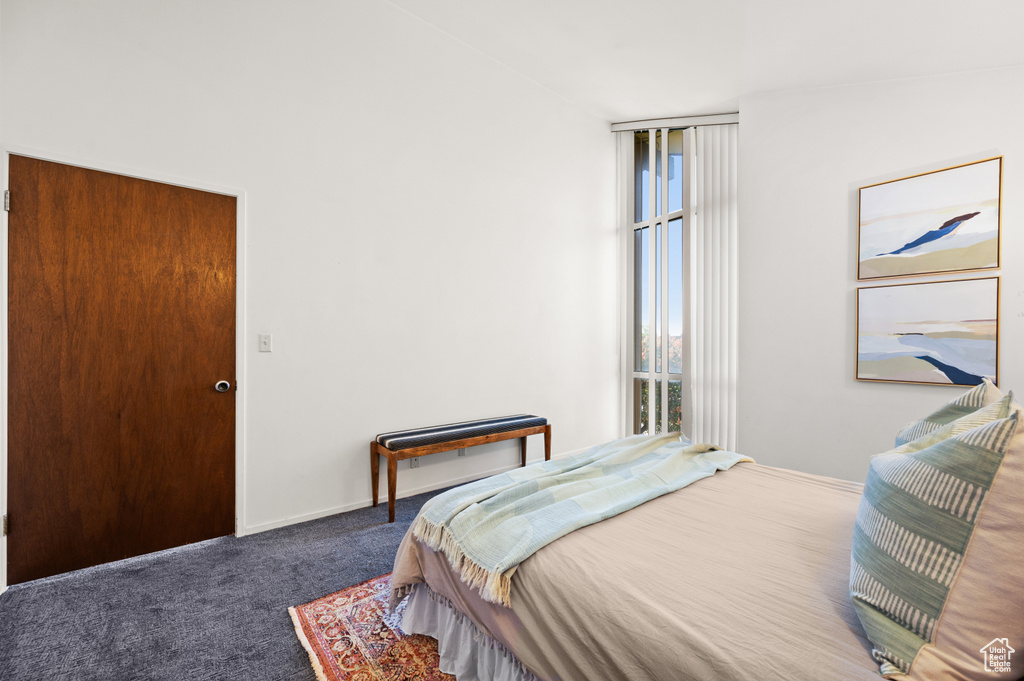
(378, 450)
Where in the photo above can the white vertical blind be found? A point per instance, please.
(711, 152)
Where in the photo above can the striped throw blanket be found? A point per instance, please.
(488, 527)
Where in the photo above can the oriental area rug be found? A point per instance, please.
(350, 636)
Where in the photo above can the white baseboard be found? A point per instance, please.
(284, 522)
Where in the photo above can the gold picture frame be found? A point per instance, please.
(934, 333)
(938, 222)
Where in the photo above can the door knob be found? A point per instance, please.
(222, 386)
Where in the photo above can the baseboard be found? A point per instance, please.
(273, 525)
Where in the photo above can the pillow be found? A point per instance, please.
(993, 412)
(983, 394)
(936, 565)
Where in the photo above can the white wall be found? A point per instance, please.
(430, 237)
(803, 154)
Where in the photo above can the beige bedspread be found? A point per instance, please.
(743, 575)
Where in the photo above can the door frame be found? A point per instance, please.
(6, 150)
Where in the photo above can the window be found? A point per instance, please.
(680, 228)
(657, 282)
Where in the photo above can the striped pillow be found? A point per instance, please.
(924, 591)
(979, 396)
(993, 412)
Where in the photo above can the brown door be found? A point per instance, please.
(121, 319)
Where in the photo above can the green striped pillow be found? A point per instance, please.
(916, 517)
(993, 412)
(980, 395)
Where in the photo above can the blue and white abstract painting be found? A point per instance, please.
(944, 221)
(943, 332)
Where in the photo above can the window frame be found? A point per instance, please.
(656, 219)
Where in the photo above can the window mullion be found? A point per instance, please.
(664, 281)
(651, 283)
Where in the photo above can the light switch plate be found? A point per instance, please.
(266, 342)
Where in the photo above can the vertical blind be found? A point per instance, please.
(713, 283)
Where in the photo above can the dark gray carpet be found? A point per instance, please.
(214, 610)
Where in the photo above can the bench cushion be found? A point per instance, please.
(419, 437)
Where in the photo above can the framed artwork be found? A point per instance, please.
(944, 332)
(942, 221)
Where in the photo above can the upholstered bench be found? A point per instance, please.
(408, 444)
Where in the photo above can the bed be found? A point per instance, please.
(743, 575)
(746, 574)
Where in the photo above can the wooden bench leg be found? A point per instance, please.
(522, 450)
(392, 484)
(374, 471)
(547, 442)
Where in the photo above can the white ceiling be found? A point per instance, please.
(650, 58)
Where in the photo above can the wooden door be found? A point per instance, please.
(121, 319)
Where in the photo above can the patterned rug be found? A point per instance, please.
(350, 636)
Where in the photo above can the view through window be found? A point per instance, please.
(658, 284)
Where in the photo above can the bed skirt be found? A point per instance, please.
(465, 651)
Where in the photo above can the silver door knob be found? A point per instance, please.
(222, 386)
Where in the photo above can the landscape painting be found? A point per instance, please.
(943, 332)
(943, 221)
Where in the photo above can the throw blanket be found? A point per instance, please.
(488, 527)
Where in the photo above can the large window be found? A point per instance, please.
(680, 229)
(657, 283)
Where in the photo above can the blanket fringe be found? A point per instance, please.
(493, 586)
(398, 595)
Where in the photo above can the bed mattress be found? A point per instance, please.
(740, 576)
